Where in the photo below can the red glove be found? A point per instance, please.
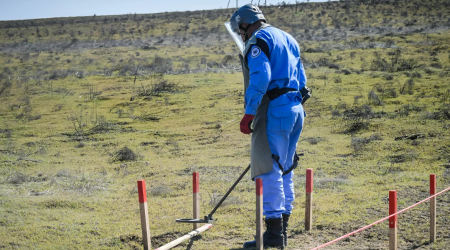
(245, 124)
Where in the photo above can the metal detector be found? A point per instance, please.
(208, 218)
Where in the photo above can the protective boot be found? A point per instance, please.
(285, 227)
(272, 237)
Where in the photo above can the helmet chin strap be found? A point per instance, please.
(245, 32)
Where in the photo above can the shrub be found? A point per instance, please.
(389, 77)
(161, 86)
(160, 191)
(314, 140)
(436, 65)
(346, 72)
(324, 62)
(133, 70)
(212, 64)
(17, 178)
(57, 74)
(374, 99)
(335, 113)
(227, 60)
(428, 71)
(359, 112)
(124, 154)
(390, 93)
(337, 79)
(443, 113)
(396, 63)
(356, 126)
(5, 86)
(358, 118)
(34, 117)
(160, 65)
(358, 143)
(375, 137)
(407, 87)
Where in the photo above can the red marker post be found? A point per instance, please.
(259, 214)
(144, 214)
(309, 197)
(195, 196)
(393, 220)
(432, 208)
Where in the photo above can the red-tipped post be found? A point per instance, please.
(309, 197)
(259, 214)
(393, 220)
(433, 208)
(195, 196)
(144, 214)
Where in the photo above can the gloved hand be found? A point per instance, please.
(245, 123)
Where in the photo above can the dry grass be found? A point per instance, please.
(378, 120)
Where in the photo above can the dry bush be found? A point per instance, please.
(314, 140)
(358, 144)
(407, 87)
(161, 190)
(443, 112)
(374, 99)
(82, 184)
(124, 154)
(17, 178)
(337, 79)
(324, 62)
(20, 178)
(396, 63)
(161, 86)
(161, 65)
(358, 118)
(4, 86)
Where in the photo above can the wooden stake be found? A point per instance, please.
(433, 208)
(309, 197)
(144, 214)
(196, 202)
(185, 237)
(393, 220)
(259, 214)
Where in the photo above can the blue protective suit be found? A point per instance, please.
(285, 114)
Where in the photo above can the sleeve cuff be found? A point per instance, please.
(250, 110)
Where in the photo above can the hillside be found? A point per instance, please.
(90, 105)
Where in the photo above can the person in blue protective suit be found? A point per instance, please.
(274, 93)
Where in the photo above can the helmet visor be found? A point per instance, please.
(236, 37)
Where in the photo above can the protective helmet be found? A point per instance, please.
(248, 13)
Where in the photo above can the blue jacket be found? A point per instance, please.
(284, 69)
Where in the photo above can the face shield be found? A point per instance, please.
(237, 38)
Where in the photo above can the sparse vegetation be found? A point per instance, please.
(89, 105)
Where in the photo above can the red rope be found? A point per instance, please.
(378, 221)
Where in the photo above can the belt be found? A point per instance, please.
(276, 92)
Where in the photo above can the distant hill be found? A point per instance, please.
(306, 21)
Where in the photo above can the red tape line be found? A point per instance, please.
(378, 221)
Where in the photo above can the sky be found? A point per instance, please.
(33, 9)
